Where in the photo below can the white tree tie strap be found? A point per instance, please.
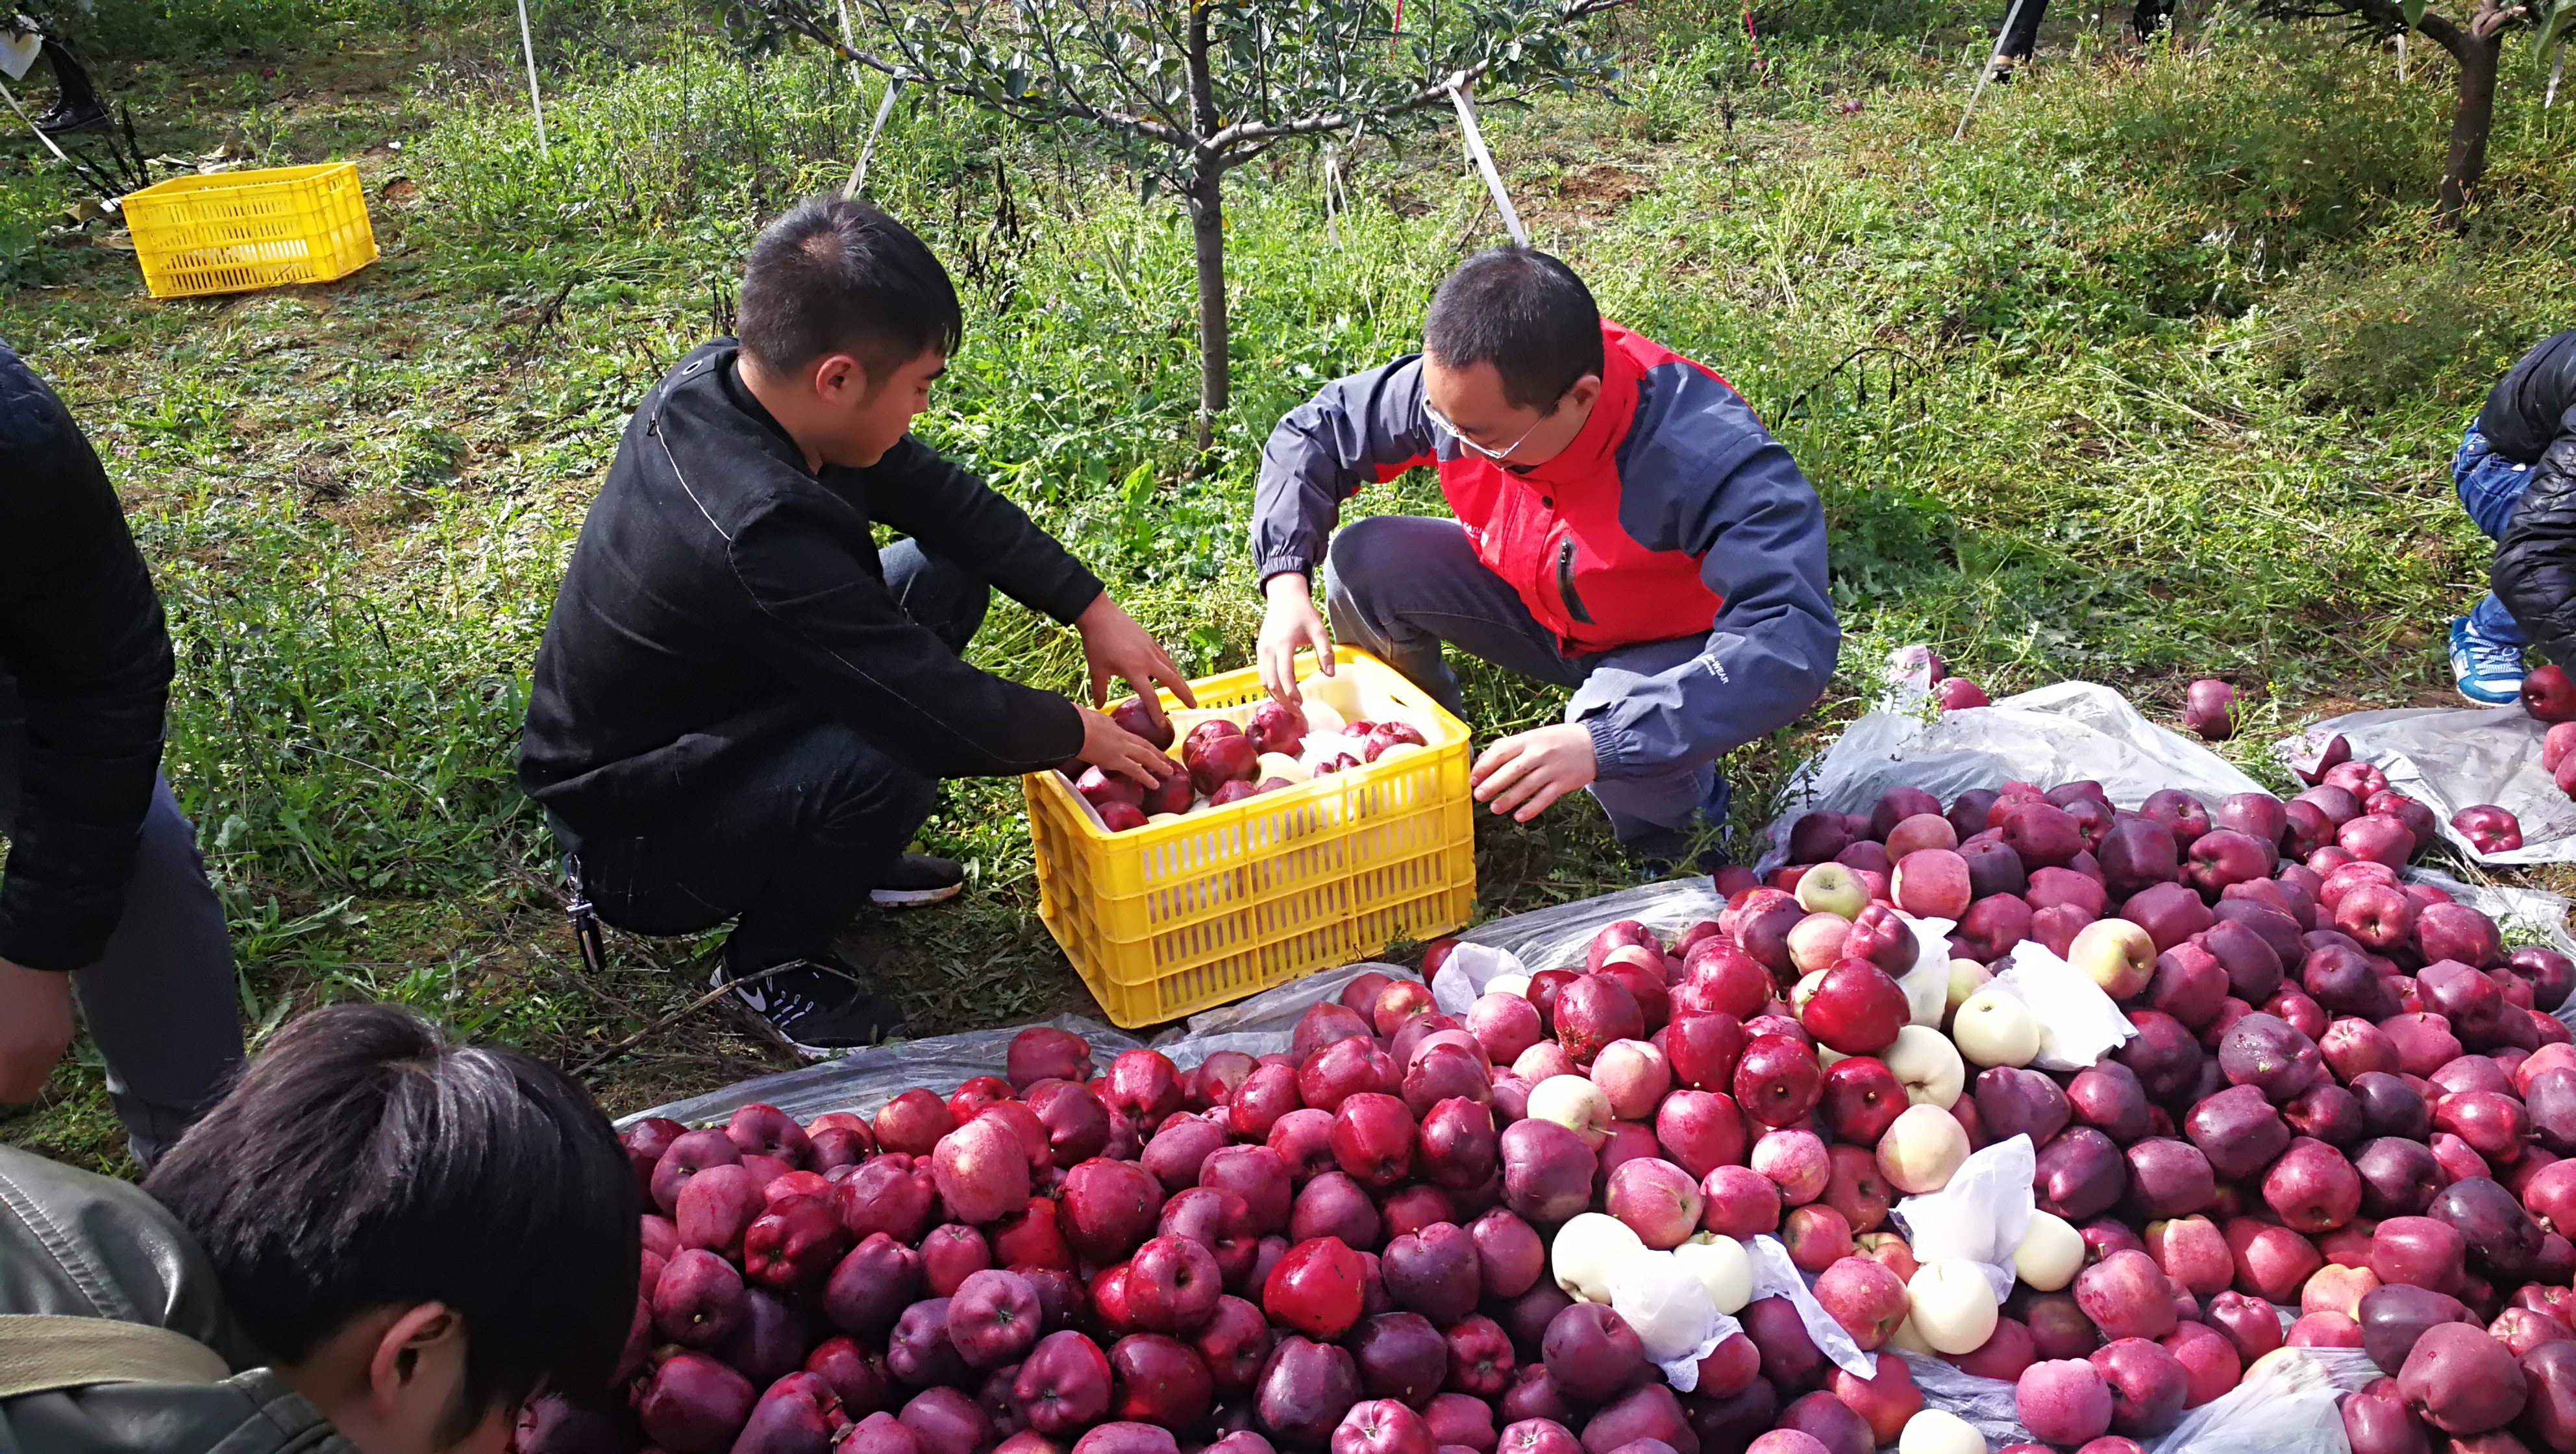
(536, 102)
(31, 124)
(885, 108)
(1988, 74)
(1485, 161)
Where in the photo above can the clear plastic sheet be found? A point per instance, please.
(1554, 938)
(1774, 1275)
(1986, 1403)
(863, 1080)
(2453, 759)
(2058, 734)
(2289, 1403)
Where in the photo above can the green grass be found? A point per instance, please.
(2155, 375)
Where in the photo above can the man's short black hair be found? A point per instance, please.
(838, 276)
(1525, 313)
(363, 1162)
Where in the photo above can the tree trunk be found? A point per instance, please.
(1207, 228)
(2479, 53)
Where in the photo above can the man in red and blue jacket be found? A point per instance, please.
(1625, 528)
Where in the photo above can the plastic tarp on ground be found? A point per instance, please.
(2457, 758)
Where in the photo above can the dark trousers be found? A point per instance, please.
(1399, 586)
(161, 1004)
(788, 844)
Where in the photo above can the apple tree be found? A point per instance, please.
(2475, 40)
(1200, 87)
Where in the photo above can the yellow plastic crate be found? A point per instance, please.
(235, 231)
(1172, 918)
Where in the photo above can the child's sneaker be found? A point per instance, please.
(2488, 673)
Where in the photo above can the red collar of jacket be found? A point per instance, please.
(1597, 442)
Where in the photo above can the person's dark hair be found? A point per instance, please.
(837, 276)
(363, 1162)
(1525, 313)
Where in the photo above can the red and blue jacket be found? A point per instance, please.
(1673, 513)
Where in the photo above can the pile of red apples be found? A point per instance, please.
(1413, 1234)
(1223, 762)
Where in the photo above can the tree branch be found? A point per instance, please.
(1028, 107)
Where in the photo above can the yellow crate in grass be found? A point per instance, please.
(235, 231)
(1172, 918)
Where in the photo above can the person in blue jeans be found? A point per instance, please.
(2516, 476)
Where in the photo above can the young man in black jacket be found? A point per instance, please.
(2516, 475)
(104, 899)
(743, 703)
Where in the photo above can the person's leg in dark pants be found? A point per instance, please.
(1399, 587)
(76, 107)
(2021, 33)
(788, 847)
(161, 1003)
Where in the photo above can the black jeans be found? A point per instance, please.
(161, 1003)
(789, 844)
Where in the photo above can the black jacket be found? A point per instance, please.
(722, 594)
(83, 1246)
(82, 639)
(2530, 418)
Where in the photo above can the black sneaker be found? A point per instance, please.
(917, 879)
(73, 120)
(819, 1006)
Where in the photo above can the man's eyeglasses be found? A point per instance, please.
(1497, 455)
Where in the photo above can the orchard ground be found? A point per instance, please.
(2155, 375)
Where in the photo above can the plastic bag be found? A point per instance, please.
(2454, 758)
(1774, 1275)
(1981, 1215)
(2057, 734)
(2289, 1403)
(1988, 1404)
(1461, 981)
(2078, 1022)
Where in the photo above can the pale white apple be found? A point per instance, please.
(1922, 1150)
(2050, 1254)
(1994, 1028)
(1508, 984)
(1161, 818)
(1635, 956)
(1937, 1431)
(2115, 954)
(1831, 888)
(1927, 1065)
(1966, 978)
(1954, 1305)
(1671, 1313)
(1279, 764)
(1574, 1102)
(1721, 1266)
(1587, 1252)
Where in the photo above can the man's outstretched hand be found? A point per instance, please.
(35, 1028)
(1289, 625)
(1523, 773)
(1112, 748)
(1116, 648)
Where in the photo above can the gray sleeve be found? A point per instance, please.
(1362, 430)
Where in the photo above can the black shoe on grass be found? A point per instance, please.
(917, 879)
(820, 1006)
